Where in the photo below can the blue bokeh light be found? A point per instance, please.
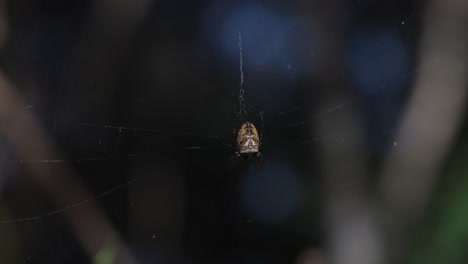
(272, 194)
(259, 27)
(377, 57)
(379, 62)
(277, 49)
(269, 37)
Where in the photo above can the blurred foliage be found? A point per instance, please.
(107, 254)
(443, 238)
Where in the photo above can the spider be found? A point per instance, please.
(248, 143)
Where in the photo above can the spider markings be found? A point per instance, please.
(248, 144)
(248, 140)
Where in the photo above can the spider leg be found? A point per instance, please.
(234, 124)
(233, 161)
(261, 123)
(261, 161)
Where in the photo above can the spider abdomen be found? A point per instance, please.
(248, 140)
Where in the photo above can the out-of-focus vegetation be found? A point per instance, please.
(116, 121)
(443, 235)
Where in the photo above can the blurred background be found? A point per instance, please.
(116, 121)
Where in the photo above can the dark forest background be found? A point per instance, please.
(116, 121)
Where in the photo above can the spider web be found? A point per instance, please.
(206, 144)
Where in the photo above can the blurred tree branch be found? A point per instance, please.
(353, 236)
(30, 142)
(426, 133)
(431, 121)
